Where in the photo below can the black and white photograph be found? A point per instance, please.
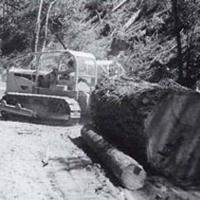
(99, 100)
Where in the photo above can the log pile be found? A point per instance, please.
(119, 109)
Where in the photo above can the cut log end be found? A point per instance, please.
(128, 171)
(173, 138)
(133, 177)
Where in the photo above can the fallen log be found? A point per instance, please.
(129, 172)
(156, 122)
(119, 109)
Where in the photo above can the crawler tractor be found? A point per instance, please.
(53, 86)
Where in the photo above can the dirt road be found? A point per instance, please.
(70, 174)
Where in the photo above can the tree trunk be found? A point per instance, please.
(157, 121)
(3, 15)
(46, 24)
(126, 169)
(178, 39)
(119, 110)
(38, 25)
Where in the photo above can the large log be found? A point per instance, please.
(174, 137)
(119, 109)
(129, 172)
(157, 121)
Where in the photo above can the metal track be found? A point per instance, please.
(70, 118)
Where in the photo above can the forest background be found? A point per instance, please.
(153, 39)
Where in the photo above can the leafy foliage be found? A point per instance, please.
(95, 26)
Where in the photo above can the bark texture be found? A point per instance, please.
(129, 172)
(157, 124)
(119, 109)
(174, 138)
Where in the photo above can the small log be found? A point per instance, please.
(129, 172)
(132, 19)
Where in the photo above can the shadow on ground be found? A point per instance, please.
(79, 142)
(72, 163)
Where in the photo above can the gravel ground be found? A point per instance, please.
(70, 174)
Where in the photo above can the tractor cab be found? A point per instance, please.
(56, 72)
(69, 70)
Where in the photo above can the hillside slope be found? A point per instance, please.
(141, 34)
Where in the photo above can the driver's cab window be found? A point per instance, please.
(86, 75)
(66, 72)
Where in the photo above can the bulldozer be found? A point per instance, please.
(54, 86)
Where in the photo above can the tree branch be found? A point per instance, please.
(119, 5)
